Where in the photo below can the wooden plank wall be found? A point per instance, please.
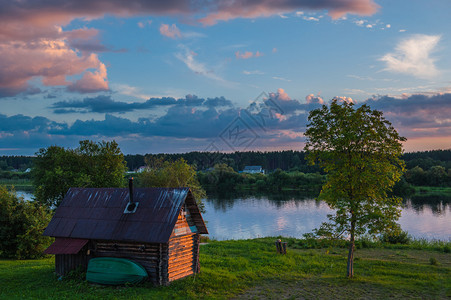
(184, 224)
(153, 257)
(64, 263)
(183, 256)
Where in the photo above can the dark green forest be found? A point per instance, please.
(426, 168)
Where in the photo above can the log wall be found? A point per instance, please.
(183, 256)
(153, 257)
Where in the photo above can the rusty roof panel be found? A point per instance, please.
(66, 246)
(97, 213)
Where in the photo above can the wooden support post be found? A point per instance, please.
(281, 247)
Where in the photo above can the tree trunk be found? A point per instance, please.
(350, 269)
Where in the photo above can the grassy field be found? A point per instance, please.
(251, 269)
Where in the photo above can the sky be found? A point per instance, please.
(230, 75)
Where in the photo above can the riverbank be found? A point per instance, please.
(252, 269)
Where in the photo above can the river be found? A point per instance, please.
(251, 217)
(245, 217)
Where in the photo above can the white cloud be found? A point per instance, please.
(310, 18)
(197, 67)
(255, 72)
(281, 78)
(402, 30)
(412, 56)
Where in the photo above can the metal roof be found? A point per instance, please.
(66, 246)
(252, 167)
(98, 213)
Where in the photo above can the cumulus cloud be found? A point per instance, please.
(52, 61)
(345, 99)
(197, 119)
(91, 81)
(314, 99)
(170, 31)
(34, 28)
(412, 56)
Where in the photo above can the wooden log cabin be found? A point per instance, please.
(158, 228)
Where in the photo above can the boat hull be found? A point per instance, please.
(114, 271)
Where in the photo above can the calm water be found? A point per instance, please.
(250, 217)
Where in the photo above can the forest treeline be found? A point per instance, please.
(432, 168)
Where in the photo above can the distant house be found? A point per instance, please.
(28, 170)
(253, 169)
(141, 169)
(159, 228)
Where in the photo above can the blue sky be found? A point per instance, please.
(180, 76)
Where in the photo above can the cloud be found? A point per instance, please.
(281, 78)
(194, 122)
(418, 115)
(170, 31)
(105, 104)
(187, 57)
(345, 99)
(255, 72)
(412, 56)
(52, 61)
(228, 10)
(314, 99)
(310, 19)
(247, 54)
(91, 82)
(144, 24)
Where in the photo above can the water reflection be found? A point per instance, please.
(246, 216)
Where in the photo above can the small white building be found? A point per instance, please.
(253, 169)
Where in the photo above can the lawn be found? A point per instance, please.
(252, 269)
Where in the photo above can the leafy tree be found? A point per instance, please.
(359, 150)
(21, 226)
(163, 173)
(56, 169)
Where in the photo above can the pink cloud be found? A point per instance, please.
(254, 9)
(51, 60)
(247, 54)
(91, 82)
(314, 99)
(170, 31)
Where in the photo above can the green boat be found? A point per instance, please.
(114, 271)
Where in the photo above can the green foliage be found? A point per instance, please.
(21, 226)
(163, 173)
(433, 261)
(359, 150)
(92, 164)
(396, 237)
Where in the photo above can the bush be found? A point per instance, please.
(396, 237)
(21, 226)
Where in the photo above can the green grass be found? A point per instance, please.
(433, 190)
(252, 269)
(18, 184)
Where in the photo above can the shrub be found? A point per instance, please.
(433, 261)
(21, 226)
(396, 237)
